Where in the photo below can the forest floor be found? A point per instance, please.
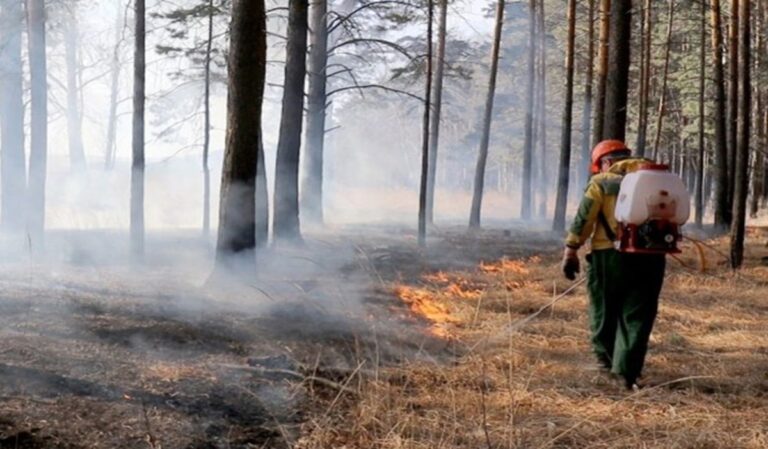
(523, 376)
(360, 339)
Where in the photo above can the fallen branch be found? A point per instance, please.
(286, 372)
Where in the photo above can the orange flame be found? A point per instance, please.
(507, 266)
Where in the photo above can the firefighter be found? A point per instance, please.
(623, 288)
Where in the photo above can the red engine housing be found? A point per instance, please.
(651, 237)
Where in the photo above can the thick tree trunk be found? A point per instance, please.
(437, 103)
(602, 71)
(137, 166)
(565, 141)
(286, 200)
(586, 117)
(664, 78)
(482, 155)
(645, 78)
(111, 145)
(247, 62)
(207, 125)
(312, 182)
(699, 189)
(526, 191)
(617, 82)
(38, 157)
(12, 160)
(733, 98)
(744, 121)
(425, 131)
(722, 212)
(74, 122)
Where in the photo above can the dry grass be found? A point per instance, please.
(533, 387)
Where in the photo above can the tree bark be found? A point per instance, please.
(699, 189)
(645, 78)
(541, 84)
(758, 174)
(722, 212)
(482, 155)
(38, 158)
(262, 198)
(526, 191)
(617, 81)
(312, 182)
(437, 103)
(285, 224)
(12, 160)
(602, 71)
(586, 118)
(664, 78)
(733, 98)
(247, 62)
(74, 123)
(744, 122)
(207, 125)
(425, 131)
(565, 141)
(137, 166)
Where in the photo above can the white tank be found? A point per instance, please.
(653, 193)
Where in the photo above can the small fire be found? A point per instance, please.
(423, 303)
(455, 285)
(462, 291)
(508, 266)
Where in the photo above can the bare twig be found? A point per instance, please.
(286, 372)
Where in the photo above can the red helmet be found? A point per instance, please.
(605, 148)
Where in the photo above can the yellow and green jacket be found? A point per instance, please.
(600, 198)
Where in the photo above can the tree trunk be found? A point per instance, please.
(742, 154)
(543, 184)
(733, 98)
(702, 86)
(437, 103)
(722, 213)
(482, 155)
(525, 200)
(645, 78)
(262, 198)
(12, 160)
(586, 148)
(38, 157)
(286, 200)
(758, 174)
(137, 166)
(565, 141)
(74, 123)
(247, 62)
(602, 71)
(617, 81)
(312, 182)
(425, 131)
(664, 78)
(207, 125)
(111, 145)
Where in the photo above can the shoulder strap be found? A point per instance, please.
(608, 231)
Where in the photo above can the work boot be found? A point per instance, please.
(604, 362)
(631, 384)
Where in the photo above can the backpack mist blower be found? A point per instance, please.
(652, 207)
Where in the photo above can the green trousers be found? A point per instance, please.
(623, 302)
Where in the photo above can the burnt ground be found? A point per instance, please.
(96, 353)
